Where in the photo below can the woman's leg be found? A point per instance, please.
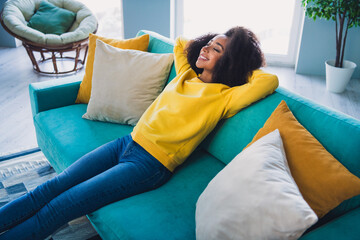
(137, 172)
(84, 168)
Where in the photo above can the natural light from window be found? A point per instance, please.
(109, 17)
(270, 20)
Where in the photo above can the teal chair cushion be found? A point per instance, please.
(50, 19)
(16, 14)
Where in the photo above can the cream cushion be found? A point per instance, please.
(16, 14)
(125, 83)
(254, 197)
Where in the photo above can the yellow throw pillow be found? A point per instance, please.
(139, 43)
(323, 181)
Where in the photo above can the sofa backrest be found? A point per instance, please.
(338, 133)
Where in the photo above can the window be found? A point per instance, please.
(276, 23)
(109, 17)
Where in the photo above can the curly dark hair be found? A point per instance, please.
(241, 57)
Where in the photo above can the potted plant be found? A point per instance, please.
(346, 14)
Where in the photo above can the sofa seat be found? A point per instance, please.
(165, 213)
(65, 136)
(68, 136)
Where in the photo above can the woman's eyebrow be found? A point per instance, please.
(220, 45)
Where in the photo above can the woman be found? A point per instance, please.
(217, 75)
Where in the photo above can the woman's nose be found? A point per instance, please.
(205, 48)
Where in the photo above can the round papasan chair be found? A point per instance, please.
(45, 48)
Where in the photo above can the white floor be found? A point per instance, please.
(314, 88)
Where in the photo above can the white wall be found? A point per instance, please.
(318, 45)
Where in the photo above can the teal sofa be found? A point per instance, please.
(169, 212)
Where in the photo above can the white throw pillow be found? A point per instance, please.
(254, 197)
(125, 83)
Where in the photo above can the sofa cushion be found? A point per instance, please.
(139, 43)
(65, 136)
(165, 213)
(160, 44)
(121, 94)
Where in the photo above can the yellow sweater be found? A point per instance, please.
(188, 110)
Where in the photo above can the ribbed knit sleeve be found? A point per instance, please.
(260, 85)
(181, 63)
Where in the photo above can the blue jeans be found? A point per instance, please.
(114, 171)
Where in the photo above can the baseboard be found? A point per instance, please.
(19, 154)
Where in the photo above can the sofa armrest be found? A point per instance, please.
(53, 94)
(345, 227)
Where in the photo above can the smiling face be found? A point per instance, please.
(211, 53)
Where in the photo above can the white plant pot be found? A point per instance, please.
(338, 78)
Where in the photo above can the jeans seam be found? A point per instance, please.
(52, 217)
(5, 225)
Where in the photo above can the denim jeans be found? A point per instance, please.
(114, 171)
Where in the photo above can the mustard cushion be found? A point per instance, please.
(139, 43)
(323, 181)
